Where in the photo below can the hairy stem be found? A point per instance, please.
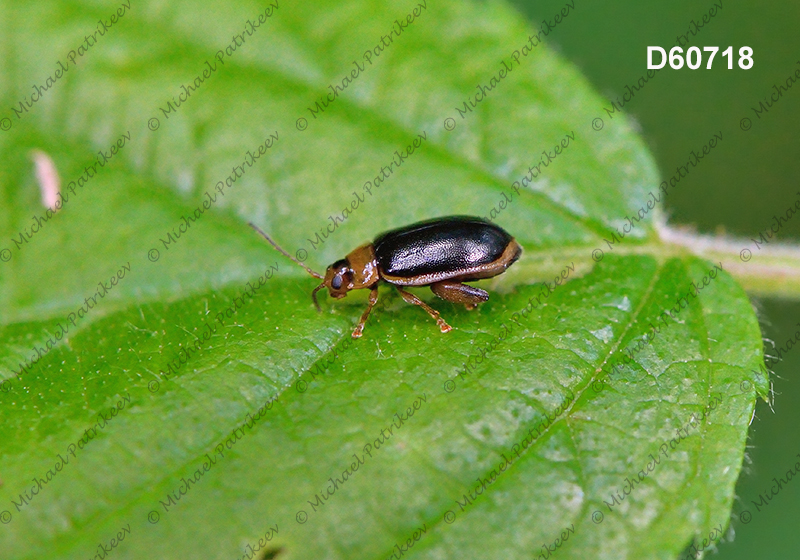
(763, 269)
(768, 269)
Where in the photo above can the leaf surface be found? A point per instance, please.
(527, 379)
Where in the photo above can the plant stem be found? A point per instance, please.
(767, 270)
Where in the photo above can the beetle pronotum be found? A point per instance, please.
(441, 253)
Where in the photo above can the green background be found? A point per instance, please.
(754, 176)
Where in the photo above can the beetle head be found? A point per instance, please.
(338, 279)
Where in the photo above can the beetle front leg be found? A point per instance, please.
(456, 292)
(373, 299)
(411, 298)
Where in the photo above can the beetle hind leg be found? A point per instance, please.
(411, 298)
(456, 292)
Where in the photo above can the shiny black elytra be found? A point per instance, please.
(440, 253)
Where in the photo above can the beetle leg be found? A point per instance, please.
(411, 298)
(457, 292)
(373, 299)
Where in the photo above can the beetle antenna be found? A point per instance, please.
(314, 296)
(285, 254)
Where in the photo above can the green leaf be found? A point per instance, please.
(277, 400)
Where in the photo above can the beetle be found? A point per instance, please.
(441, 253)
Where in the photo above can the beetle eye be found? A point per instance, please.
(336, 283)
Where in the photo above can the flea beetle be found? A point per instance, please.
(440, 253)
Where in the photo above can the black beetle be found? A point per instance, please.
(440, 253)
